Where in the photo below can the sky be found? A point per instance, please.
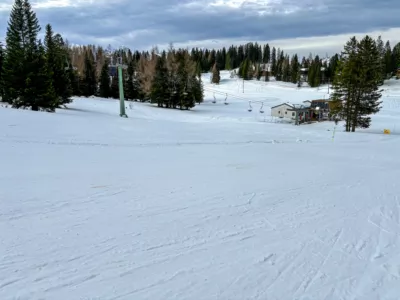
(316, 26)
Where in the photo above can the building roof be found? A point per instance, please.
(300, 107)
(293, 105)
(282, 104)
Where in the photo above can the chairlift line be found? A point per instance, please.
(236, 97)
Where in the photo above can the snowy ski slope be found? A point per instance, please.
(213, 203)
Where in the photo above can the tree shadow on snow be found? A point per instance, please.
(88, 111)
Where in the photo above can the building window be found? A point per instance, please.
(285, 112)
(292, 114)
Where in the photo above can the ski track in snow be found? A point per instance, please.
(140, 217)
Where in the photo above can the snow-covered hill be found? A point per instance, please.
(213, 203)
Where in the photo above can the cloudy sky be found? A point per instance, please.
(319, 26)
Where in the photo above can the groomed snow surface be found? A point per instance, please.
(212, 203)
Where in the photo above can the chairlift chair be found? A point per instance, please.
(250, 109)
(261, 109)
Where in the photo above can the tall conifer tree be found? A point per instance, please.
(104, 89)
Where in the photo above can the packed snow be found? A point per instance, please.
(212, 203)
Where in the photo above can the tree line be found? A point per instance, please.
(45, 75)
(32, 72)
(255, 61)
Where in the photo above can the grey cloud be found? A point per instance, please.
(142, 23)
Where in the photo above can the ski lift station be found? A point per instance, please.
(283, 111)
(308, 111)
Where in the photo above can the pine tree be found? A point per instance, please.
(286, 69)
(318, 74)
(299, 79)
(382, 66)
(129, 87)
(198, 70)
(279, 65)
(246, 70)
(396, 57)
(211, 58)
(215, 74)
(324, 72)
(89, 82)
(333, 64)
(114, 88)
(193, 92)
(370, 55)
(295, 69)
(104, 88)
(388, 61)
(267, 72)
(39, 91)
(27, 78)
(186, 99)
(266, 54)
(257, 72)
(58, 65)
(75, 80)
(228, 64)
(356, 86)
(219, 60)
(197, 92)
(314, 72)
(138, 92)
(159, 87)
(14, 61)
(1, 72)
(63, 84)
(344, 84)
(273, 61)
